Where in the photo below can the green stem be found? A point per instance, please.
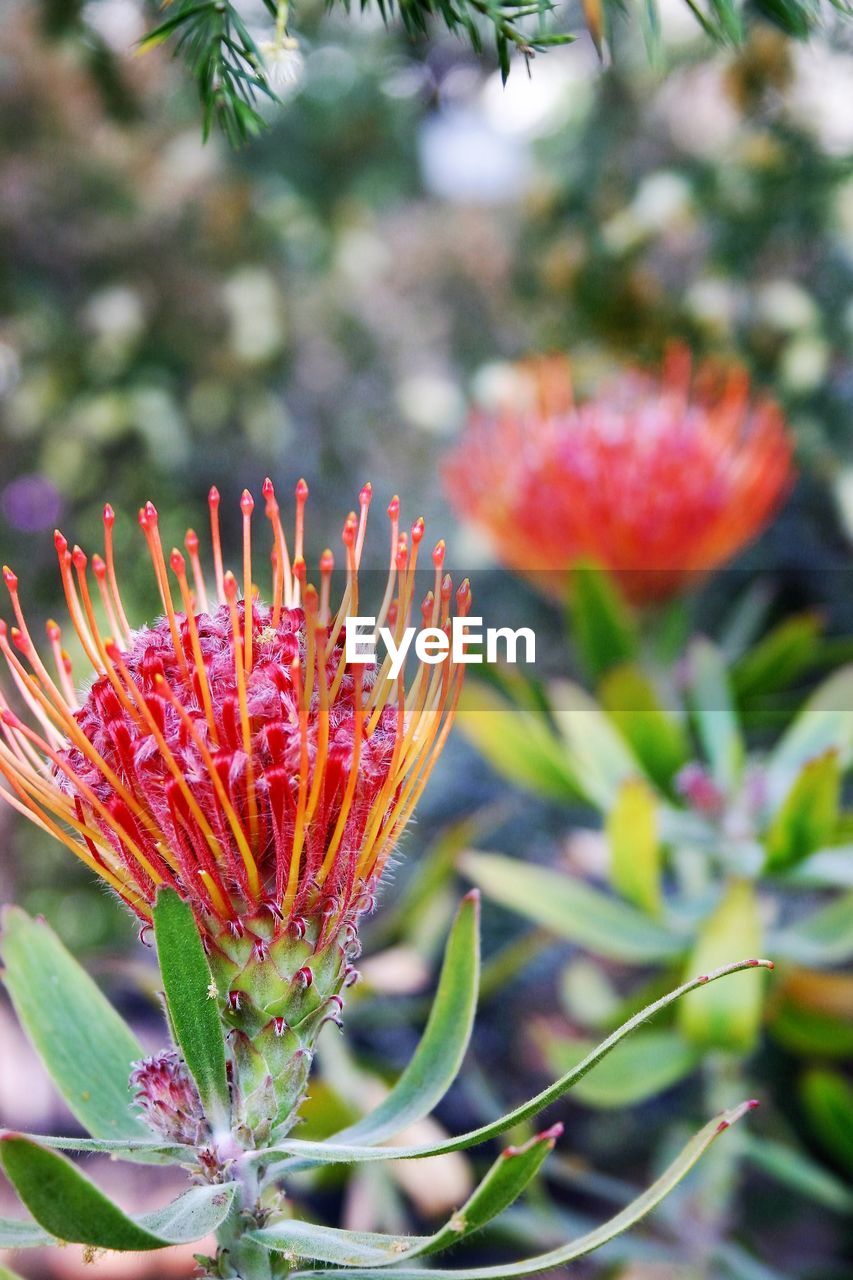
(237, 1257)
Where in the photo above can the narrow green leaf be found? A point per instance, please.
(333, 1152)
(645, 1065)
(572, 909)
(635, 850)
(516, 743)
(316, 1243)
(823, 938)
(148, 1151)
(622, 1221)
(439, 1055)
(602, 626)
(598, 756)
(824, 724)
(811, 1032)
(68, 1205)
(796, 1170)
(6, 1274)
(86, 1047)
(827, 868)
(22, 1234)
(503, 1184)
(778, 659)
(827, 1097)
(727, 1017)
(194, 1015)
(809, 815)
(656, 737)
(712, 706)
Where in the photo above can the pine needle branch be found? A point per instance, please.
(232, 78)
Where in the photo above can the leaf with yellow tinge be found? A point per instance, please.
(726, 1016)
(635, 851)
(809, 815)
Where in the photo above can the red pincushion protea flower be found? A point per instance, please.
(657, 480)
(230, 752)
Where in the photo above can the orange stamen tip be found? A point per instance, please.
(229, 582)
(213, 496)
(53, 629)
(299, 570)
(394, 508)
(176, 560)
(10, 578)
(310, 599)
(79, 558)
(268, 489)
(60, 542)
(151, 512)
(109, 516)
(99, 568)
(327, 561)
(418, 529)
(19, 641)
(111, 648)
(366, 494)
(463, 594)
(142, 518)
(247, 503)
(350, 528)
(8, 717)
(438, 554)
(446, 587)
(191, 541)
(301, 490)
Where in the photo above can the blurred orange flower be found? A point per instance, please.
(658, 479)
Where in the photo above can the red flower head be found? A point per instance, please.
(657, 480)
(228, 750)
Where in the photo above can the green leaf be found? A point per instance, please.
(622, 1221)
(333, 1152)
(194, 1015)
(656, 737)
(439, 1055)
(6, 1274)
(713, 709)
(824, 724)
(827, 1097)
(727, 1017)
(598, 756)
(778, 659)
(18, 1234)
(635, 850)
(796, 1170)
(148, 1151)
(572, 909)
(87, 1048)
(602, 626)
(518, 744)
(645, 1065)
(827, 868)
(811, 1032)
(68, 1205)
(823, 938)
(503, 1184)
(809, 815)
